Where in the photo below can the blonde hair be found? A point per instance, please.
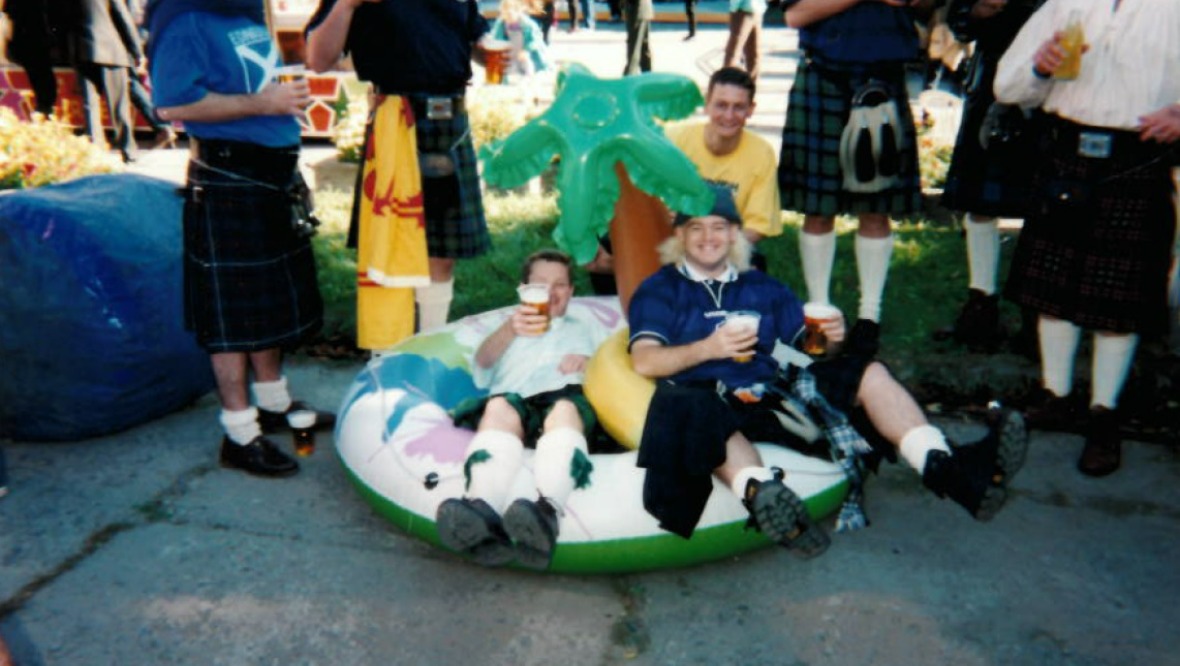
(672, 251)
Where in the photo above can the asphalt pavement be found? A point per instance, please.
(137, 548)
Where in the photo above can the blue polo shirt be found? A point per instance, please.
(198, 53)
(412, 46)
(676, 309)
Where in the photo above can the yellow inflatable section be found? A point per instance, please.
(620, 396)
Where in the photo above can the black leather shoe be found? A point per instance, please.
(260, 457)
(1048, 411)
(277, 421)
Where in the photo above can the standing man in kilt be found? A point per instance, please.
(249, 274)
(991, 169)
(851, 47)
(1095, 251)
(417, 54)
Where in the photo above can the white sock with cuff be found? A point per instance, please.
(554, 466)
(1111, 363)
(919, 441)
(272, 396)
(872, 268)
(983, 252)
(1059, 344)
(241, 426)
(818, 253)
(742, 478)
(493, 460)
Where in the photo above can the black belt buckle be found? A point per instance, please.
(1095, 145)
(440, 108)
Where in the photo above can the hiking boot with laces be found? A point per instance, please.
(532, 527)
(776, 511)
(471, 527)
(976, 476)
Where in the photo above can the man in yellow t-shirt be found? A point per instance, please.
(727, 153)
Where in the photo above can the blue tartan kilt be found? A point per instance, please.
(249, 278)
(809, 174)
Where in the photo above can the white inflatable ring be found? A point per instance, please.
(400, 448)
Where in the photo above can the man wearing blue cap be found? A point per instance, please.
(712, 399)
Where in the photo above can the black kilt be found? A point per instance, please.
(994, 181)
(1096, 250)
(809, 174)
(249, 279)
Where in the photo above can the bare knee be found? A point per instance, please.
(873, 225)
(564, 414)
(499, 414)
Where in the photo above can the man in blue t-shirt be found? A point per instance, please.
(711, 399)
(249, 274)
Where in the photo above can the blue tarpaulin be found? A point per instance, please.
(92, 337)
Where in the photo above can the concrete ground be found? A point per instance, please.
(137, 548)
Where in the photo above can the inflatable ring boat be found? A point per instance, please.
(403, 453)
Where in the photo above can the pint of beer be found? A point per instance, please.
(536, 295)
(745, 320)
(1073, 41)
(496, 55)
(815, 343)
(302, 424)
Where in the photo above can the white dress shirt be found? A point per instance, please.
(1131, 69)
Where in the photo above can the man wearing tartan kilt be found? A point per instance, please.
(249, 274)
(850, 47)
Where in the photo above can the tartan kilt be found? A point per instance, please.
(249, 279)
(455, 223)
(1101, 263)
(809, 174)
(533, 410)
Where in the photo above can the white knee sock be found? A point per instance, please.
(434, 301)
(241, 426)
(557, 467)
(919, 441)
(743, 477)
(272, 396)
(1111, 363)
(818, 252)
(1059, 343)
(983, 252)
(872, 266)
(493, 460)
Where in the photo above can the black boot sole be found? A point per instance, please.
(465, 530)
(1011, 451)
(782, 517)
(533, 536)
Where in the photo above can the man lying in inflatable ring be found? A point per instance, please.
(533, 366)
(712, 399)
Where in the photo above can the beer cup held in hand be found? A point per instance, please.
(746, 320)
(536, 295)
(815, 343)
(290, 73)
(1073, 41)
